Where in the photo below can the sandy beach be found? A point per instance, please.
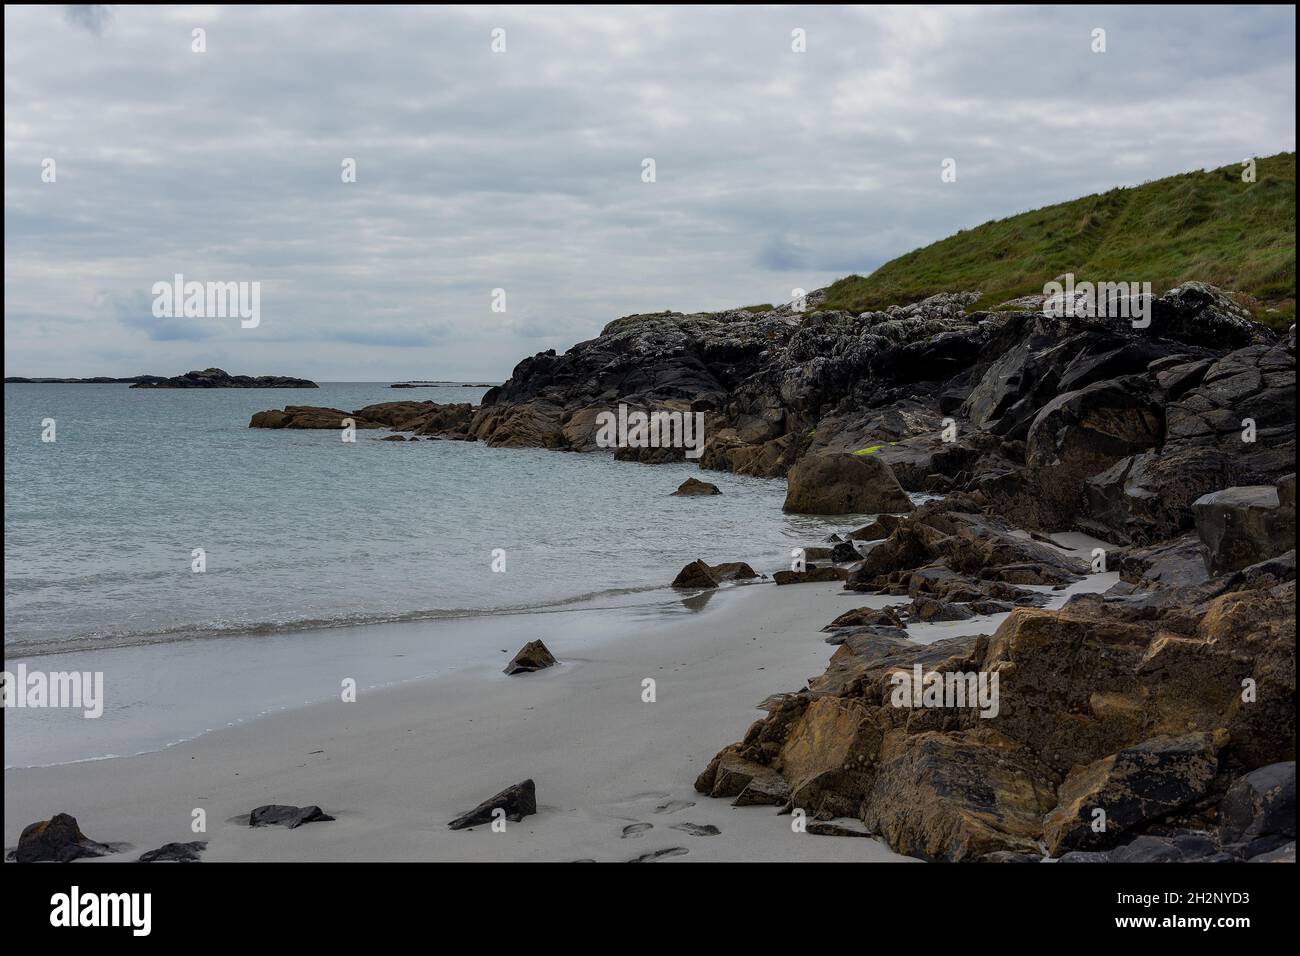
(398, 764)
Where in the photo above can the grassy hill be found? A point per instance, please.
(1209, 226)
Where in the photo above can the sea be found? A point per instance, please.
(213, 572)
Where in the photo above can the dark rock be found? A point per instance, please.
(697, 574)
(1260, 804)
(867, 616)
(533, 656)
(812, 573)
(1133, 787)
(217, 378)
(517, 801)
(1241, 526)
(57, 840)
(280, 815)
(175, 853)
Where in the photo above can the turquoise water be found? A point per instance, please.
(303, 531)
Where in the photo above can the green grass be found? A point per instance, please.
(1209, 226)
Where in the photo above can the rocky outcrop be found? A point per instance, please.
(218, 378)
(513, 804)
(422, 418)
(844, 484)
(1145, 705)
(533, 656)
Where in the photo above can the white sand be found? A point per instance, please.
(398, 764)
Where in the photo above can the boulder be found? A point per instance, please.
(1081, 434)
(692, 487)
(517, 802)
(1133, 788)
(280, 815)
(57, 840)
(1259, 805)
(533, 656)
(175, 853)
(868, 616)
(812, 574)
(844, 484)
(697, 574)
(1242, 526)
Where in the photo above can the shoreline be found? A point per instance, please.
(407, 757)
(402, 761)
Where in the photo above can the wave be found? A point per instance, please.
(40, 647)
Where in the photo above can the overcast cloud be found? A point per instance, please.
(522, 170)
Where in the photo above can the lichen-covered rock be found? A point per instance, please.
(1104, 802)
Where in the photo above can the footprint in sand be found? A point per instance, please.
(697, 829)
(634, 830)
(660, 854)
(672, 806)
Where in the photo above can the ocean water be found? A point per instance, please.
(367, 555)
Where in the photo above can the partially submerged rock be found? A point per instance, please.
(693, 486)
(697, 574)
(515, 802)
(533, 656)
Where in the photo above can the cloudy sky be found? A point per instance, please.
(522, 170)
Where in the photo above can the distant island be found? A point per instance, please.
(208, 378)
(219, 378)
(97, 380)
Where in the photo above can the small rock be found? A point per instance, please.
(693, 486)
(280, 815)
(697, 829)
(697, 574)
(533, 656)
(175, 853)
(518, 802)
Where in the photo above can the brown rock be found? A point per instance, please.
(693, 486)
(533, 656)
(697, 574)
(844, 484)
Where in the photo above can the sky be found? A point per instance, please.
(523, 169)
